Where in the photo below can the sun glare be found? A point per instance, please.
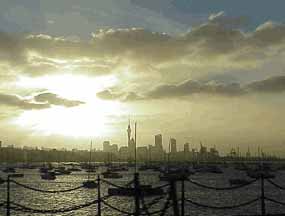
(70, 86)
(93, 118)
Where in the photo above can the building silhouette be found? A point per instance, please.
(186, 148)
(158, 141)
(173, 148)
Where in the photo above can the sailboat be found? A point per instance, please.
(146, 190)
(90, 184)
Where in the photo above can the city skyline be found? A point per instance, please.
(197, 71)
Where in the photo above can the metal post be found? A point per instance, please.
(173, 195)
(98, 196)
(137, 194)
(8, 197)
(182, 197)
(263, 212)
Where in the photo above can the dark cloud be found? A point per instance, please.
(269, 85)
(21, 103)
(40, 101)
(54, 99)
(212, 43)
(191, 87)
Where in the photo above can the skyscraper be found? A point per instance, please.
(173, 148)
(129, 131)
(186, 147)
(106, 146)
(158, 141)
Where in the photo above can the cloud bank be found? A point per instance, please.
(40, 101)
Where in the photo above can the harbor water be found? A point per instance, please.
(37, 200)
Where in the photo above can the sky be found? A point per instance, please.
(197, 70)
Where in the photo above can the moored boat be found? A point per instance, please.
(48, 176)
(111, 175)
(9, 170)
(90, 184)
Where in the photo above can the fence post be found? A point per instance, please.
(8, 197)
(137, 194)
(99, 196)
(182, 197)
(263, 212)
(173, 195)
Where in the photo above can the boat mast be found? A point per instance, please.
(168, 156)
(89, 163)
(135, 147)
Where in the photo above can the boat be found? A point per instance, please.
(2, 181)
(74, 169)
(62, 171)
(48, 176)
(215, 169)
(111, 175)
(9, 170)
(238, 181)
(45, 168)
(173, 176)
(90, 184)
(118, 169)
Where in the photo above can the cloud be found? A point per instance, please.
(269, 85)
(230, 22)
(21, 103)
(108, 95)
(193, 87)
(40, 101)
(213, 47)
(132, 96)
(54, 99)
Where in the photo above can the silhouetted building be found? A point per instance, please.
(142, 153)
(106, 146)
(131, 148)
(173, 148)
(124, 153)
(248, 155)
(186, 147)
(213, 153)
(158, 141)
(110, 148)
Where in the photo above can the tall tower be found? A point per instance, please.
(158, 142)
(129, 131)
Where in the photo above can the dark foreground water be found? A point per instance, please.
(53, 201)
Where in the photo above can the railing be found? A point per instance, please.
(142, 207)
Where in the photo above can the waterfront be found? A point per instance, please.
(220, 198)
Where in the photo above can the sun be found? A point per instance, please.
(93, 118)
